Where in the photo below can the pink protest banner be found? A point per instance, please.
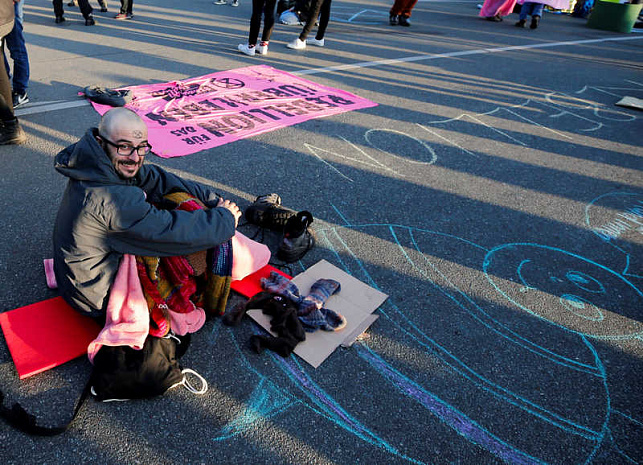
(199, 113)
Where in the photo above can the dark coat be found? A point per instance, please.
(102, 216)
(7, 12)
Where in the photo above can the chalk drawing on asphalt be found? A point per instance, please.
(617, 218)
(586, 296)
(366, 16)
(424, 153)
(569, 113)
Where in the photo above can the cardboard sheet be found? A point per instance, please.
(631, 102)
(356, 301)
(45, 335)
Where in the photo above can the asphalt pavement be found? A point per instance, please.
(494, 193)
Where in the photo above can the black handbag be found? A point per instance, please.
(120, 373)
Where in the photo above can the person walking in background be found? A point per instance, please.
(318, 7)
(536, 11)
(126, 10)
(15, 42)
(401, 12)
(101, 3)
(85, 9)
(259, 7)
(10, 130)
(530, 8)
(223, 2)
(494, 10)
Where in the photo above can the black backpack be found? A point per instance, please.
(121, 373)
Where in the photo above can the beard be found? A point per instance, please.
(127, 169)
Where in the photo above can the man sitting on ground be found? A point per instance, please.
(108, 210)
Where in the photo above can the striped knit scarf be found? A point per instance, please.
(182, 283)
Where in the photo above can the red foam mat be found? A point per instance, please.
(45, 335)
(251, 284)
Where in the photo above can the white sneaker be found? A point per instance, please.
(262, 49)
(235, 3)
(319, 43)
(244, 48)
(220, 2)
(297, 44)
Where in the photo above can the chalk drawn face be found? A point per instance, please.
(567, 290)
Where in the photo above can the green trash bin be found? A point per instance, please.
(618, 17)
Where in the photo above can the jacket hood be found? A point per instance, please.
(87, 161)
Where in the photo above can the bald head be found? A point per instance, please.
(121, 119)
(122, 133)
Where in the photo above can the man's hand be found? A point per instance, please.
(232, 207)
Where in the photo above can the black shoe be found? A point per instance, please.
(103, 9)
(298, 239)
(89, 21)
(534, 22)
(11, 133)
(403, 21)
(19, 99)
(392, 20)
(72, 3)
(60, 19)
(521, 23)
(495, 19)
(267, 212)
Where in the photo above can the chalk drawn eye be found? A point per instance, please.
(581, 307)
(585, 282)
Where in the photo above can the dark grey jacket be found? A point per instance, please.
(102, 217)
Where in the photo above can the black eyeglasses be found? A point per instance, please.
(127, 150)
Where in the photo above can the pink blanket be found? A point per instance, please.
(127, 316)
(497, 7)
(556, 4)
(248, 256)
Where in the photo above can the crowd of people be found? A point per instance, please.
(118, 212)
(88, 12)
(495, 10)
(14, 80)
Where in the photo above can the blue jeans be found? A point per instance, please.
(531, 8)
(15, 42)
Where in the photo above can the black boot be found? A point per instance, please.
(267, 212)
(403, 21)
(89, 21)
(521, 23)
(392, 20)
(60, 19)
(534, 22)
(12, 133)
(298, 238)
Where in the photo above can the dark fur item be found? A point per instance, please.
(234, 316)
(284, 322)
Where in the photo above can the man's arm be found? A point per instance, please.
(156, 182)
(135, 226)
